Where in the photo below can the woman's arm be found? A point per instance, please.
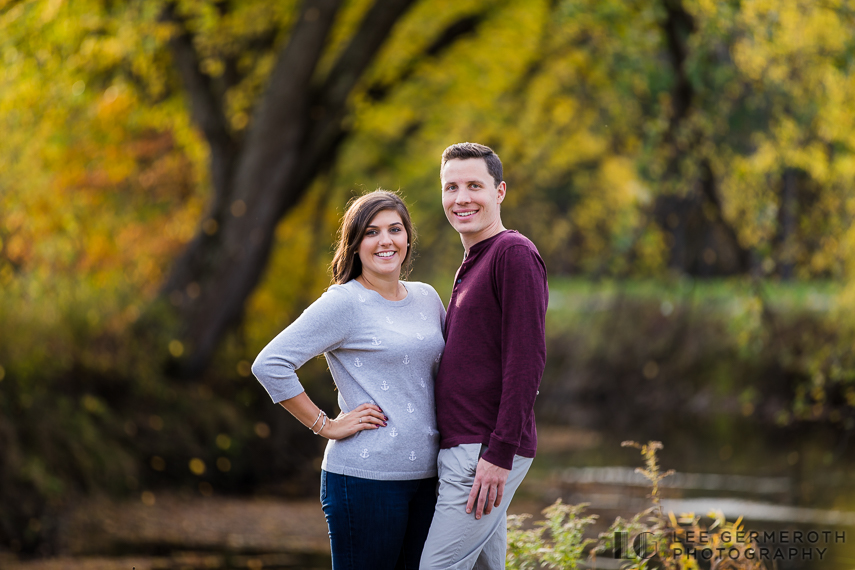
(366, 416)
(325, 325)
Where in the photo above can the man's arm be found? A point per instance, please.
(523, 294)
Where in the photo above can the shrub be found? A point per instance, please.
(649, 540)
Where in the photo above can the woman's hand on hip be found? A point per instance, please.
(366, 416)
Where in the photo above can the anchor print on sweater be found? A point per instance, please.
(390, 321)
(422, 315)
(364, 454)
(422, 383)
(361, 298)
(376, 341)
(406, 359)
(412, 456)
(420, 336)
(384, 386)
(357, 363)
(410, 408)
(394, 432)
(424, 292)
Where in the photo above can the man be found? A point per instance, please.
(491, 368)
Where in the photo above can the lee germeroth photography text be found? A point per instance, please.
(770, 545)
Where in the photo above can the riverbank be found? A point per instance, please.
(173, 532)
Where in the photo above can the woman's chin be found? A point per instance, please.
(383, 272)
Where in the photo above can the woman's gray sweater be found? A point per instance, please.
(379, 351)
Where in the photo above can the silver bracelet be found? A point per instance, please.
(323, 425)
(320, 413)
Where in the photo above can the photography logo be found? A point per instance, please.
(642, 546)
(776, 545)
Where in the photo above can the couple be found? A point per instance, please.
(414, 381)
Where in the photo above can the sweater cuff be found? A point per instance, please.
(500, 453)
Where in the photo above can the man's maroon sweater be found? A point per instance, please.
(495, 349)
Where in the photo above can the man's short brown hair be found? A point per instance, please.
(474, 150)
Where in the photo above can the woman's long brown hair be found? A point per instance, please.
(346, 264)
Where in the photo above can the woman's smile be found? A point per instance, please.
(383, 245)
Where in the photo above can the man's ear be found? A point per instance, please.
(501, 189)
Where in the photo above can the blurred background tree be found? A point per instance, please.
(172, 174)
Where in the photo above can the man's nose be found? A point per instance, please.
(463, 197)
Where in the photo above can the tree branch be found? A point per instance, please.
(7, 5)
(375, 28)
(280, 121)
(454, 31)
(331, 96)
(677, 26)
(206, 106)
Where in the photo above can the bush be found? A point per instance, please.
(648, 540)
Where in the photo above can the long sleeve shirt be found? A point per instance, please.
(495, 349)
(381, 352)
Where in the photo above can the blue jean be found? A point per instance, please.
(377, 525)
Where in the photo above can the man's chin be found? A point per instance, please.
(461, 226)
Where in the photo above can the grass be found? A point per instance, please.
(577, 295)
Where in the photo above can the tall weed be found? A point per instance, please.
(648, 540)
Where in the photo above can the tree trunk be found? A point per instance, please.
(704, 243)
(295, 131)
(788, 224)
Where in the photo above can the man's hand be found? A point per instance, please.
(488, 488)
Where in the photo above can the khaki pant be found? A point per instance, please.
(458, 540)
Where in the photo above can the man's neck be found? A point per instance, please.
(470, 240)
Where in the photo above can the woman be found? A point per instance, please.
(382, 338)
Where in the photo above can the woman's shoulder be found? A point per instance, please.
(337, 306)
(344, 289)
(337, 296)
(421, 289)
